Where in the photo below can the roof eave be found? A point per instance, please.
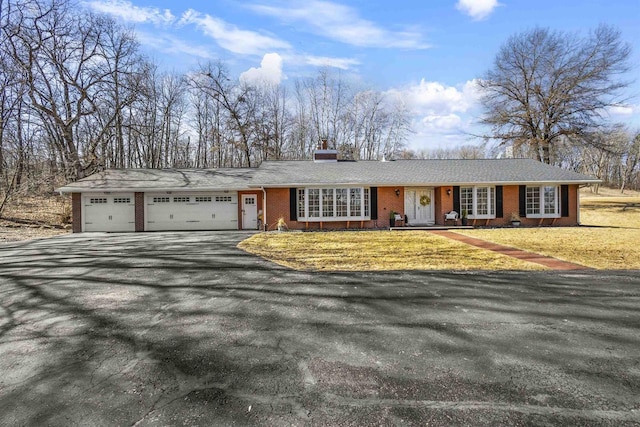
(428, 184)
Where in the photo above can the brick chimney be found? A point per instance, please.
(323, 154)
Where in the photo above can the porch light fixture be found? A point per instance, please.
(448, 191)
(397, 192)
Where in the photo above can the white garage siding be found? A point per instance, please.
(108, 212)
(191, 211)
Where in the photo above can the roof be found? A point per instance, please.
(297, 173)
(146, 180)
(414, 173)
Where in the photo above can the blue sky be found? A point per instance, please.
(427, 51)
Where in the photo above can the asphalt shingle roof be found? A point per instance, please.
(164, 179)
(413, 172)
(302, 173)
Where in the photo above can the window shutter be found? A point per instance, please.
(456, 199)
(499, 207)
(523, 201)
(293, 204)
(564, 200)
(373, 193)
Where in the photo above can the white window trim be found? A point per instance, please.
(334, 218)
(556, 214)
(474, 199)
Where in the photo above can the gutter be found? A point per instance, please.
(428, 184)
(63, 190)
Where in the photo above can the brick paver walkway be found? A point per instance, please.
(547, 261)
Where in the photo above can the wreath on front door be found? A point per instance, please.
(425, 200)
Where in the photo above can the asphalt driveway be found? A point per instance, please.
(186, 329)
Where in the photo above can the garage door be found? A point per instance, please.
(189, 211)
(109, 212)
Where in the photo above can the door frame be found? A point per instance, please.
(255, 204)
(431, 205)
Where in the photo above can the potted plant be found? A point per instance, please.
(463, 217)
(282, 224)
(392, 219)
(515, 219)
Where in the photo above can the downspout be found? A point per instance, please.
(264, 209)
(578, 206)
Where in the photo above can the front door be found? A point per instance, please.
(418, 206)
(249, 212)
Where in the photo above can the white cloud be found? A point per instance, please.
(227, 36)
(441, 113)
(434, 98)
(342, 23)
(168, 44)
(477, 9)
(126, 11)
(622, 110)
(232, 38)
(325, 61)
(270, 71)
(441, 124)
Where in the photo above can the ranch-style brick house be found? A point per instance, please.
(325, 193)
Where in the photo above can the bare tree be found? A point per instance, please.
(630, 161)
(239, 102)
(545, 85)
(327, 97)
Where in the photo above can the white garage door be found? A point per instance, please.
(109, 212)
(192, 211)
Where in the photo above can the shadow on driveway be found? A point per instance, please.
(184, 328)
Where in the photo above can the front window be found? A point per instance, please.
(314, 203)
(301, 204)
(542, 202)
(355, 202)
(478, 202)
(342, 204)
(327, 202)
(333, 204)
(466, 200)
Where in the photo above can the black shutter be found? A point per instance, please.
(499, 208)
(564, 200)
(456, 199)
(523, 201)
(293, 204)
(373, 191)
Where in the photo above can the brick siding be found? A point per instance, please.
(76, 212)
(278, 207)
(139, 211)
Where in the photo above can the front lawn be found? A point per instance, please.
(376, 250)
(608, 239)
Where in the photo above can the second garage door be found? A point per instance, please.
(189, 211)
